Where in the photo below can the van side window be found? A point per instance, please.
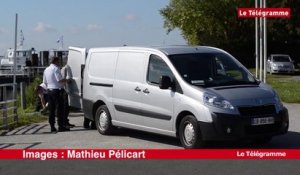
(157, 68)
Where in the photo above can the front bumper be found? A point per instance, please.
(236, 127)
(282, 70)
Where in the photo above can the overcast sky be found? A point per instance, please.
(84, 23)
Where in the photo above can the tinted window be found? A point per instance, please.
(157, 68)
(210, 69)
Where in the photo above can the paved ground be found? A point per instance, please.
(38, 136)
(152, 167)
(297, 77)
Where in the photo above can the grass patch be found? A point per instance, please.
(25, 117)
(28, 117)
(287, 86)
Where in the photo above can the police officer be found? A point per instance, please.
(54, 82)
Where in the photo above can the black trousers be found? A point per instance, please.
(66, 106)
(56, 107)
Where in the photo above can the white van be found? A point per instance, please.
(195, 93)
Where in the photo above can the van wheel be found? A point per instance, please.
(103, 120)
(189, 133)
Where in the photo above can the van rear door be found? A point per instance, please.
(76, 63)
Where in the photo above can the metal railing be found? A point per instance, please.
(8, 107)
(9, 71)
(32, 71)
(26, 71)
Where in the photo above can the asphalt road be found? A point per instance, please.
(38, 136)
(151, 167)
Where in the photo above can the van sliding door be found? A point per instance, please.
(128, 87)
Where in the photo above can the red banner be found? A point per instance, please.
(73, 154)
(264, 12)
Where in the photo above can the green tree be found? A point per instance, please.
(285, 30)
(215, 23)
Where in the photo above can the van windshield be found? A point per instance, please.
(211, 70)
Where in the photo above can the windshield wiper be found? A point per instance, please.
(237, 82)
(210, 83)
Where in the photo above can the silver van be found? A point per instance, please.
(196, 93)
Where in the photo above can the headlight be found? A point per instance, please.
(274, 65)
(218, 102)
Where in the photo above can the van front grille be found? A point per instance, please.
(257, 110)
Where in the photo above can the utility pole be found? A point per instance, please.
(14, 71)
(256, 43)
(261, 44)
(15, 60)
(265, 42)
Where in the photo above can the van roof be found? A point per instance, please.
(173, 50)
(168, 50)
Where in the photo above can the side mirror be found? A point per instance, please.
(165, 82)
(258, 81)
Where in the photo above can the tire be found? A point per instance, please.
(190, 134)
(103, 120)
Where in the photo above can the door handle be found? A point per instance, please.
(146, 91)
(137, 89)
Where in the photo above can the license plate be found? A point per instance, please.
(262, 121)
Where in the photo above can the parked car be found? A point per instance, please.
(279, 63)
(197, 94)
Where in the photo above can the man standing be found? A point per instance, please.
(55, 82)
(66, 74)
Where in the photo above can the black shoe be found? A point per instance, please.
(86, 123)
(53, 130)
(93, 125)
(62, 129)
(70, 125)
